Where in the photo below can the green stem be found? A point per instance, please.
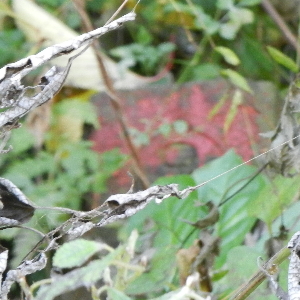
(247, 288)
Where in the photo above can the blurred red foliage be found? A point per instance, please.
(205, 137)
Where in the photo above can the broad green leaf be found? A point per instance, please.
(32, 167)
(164, 223)
(79, 109)
(205, 71)
(241, 263)
(290, 215)
(162, 268)
(24, 241)
(234, 221)
(282, 59)
(69, 117)
(257, 63)
(168, 229)
(228, 55)
(237, 79)
(76, 253)
(21, 139)
(274, 199)
(143, 35)
(85, 276)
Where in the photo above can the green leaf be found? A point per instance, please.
(205, 71)
(76, 253)
(78, 109)
(85, 276)
(249, 2)
(225, 4)
(180, 126)
(241, 263)
(144, 36)
(237, 18)
(21, 139)
(237, 79)
(32, 167)
(215, 110)
(168, 230)
(282, 59)
(234, 220)
(205, 22)
(274, 199)
(228, 55)
(229, 30)
(241, 16)
(237, 100)
(165, 129)
(162, 268)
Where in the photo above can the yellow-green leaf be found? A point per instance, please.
(283, 59)
(228, 55)
(218, 106)
(237, 99)
(237, 79)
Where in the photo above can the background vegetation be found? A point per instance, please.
(152, 253)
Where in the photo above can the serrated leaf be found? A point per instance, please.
(237, 79)
(282, 59)
(228, 55)
(76, 253)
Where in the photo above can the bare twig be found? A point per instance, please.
(115, 100)
(267, 5)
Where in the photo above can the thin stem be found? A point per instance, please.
(269, 8)
(37, 284)
(115, 101)
(246, 289)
